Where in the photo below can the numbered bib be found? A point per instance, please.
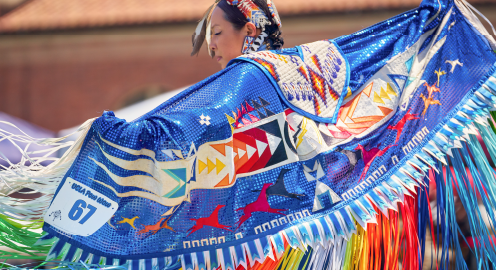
(79, 210)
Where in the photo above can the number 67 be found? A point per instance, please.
(78, 209)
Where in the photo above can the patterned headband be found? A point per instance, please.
(249, 9)
(254, 14)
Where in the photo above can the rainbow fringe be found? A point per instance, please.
(386, 228)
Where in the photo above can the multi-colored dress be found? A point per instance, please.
(319, 156)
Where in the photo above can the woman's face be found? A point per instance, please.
(226, 42)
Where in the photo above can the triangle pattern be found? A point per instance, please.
(367, 90)
(249, 108)
(168, 152)
(273, 142)
(177, 174)
(409, 63)
(221, 148)
(201, 166)
(179, 193)
(178, 153)
(250, 150)
(269, 113)
(256, 106)
(210, 165)
(378, 99)
(385, 111)
(384, 94)
(264, 102)
(390, 90)
(261, 146)
(409, 81)
(224, 182)
(241, 153)
(262, 116)
(219, 165)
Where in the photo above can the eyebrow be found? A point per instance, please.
(214, 25)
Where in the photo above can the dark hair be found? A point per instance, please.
(233, 15)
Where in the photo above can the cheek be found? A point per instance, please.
(234, 47)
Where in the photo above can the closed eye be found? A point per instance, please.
(218, 33)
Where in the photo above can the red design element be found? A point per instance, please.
(243, 110)
(399, 127)
(249, 108)
(212, 221)
(333, 93)
(269, 66)
(316, 106)
(245, 121)
(288, 112)
(247, 7)
(315, 60)
(369, 156)
(260, 205)
(304, 73)
(318, 84)
(157, 227)
(253, 118)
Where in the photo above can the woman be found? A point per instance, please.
(231, 30)
(299, 158)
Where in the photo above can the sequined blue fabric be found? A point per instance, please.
(231, 162)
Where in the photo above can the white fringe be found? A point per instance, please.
(29, 173)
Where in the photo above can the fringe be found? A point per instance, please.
(386, 228)
(22, 219)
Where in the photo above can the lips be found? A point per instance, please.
(218, 58)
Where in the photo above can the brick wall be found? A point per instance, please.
(58, 81)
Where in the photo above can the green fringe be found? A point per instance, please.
(21, 236)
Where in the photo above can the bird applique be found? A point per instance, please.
(129, 221)
(399, 126)
(428, 101)
(453, 64)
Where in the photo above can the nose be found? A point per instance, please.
(213, 46)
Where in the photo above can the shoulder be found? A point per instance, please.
(312, 79)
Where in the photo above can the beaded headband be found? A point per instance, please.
(249, 9)
(254, 14)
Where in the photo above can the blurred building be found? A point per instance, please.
(64, 61)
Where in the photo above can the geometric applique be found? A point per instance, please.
(312, 83)
(325, 197)
(313, 174)
(180, 176)
(258, 148)
(409, 64)
(210, 166)
(246, 115)
(399, 80)
(378, 99)
(269, 66)
(409, 81)
(247, 44)
(390, 90)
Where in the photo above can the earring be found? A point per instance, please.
(247, 44)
